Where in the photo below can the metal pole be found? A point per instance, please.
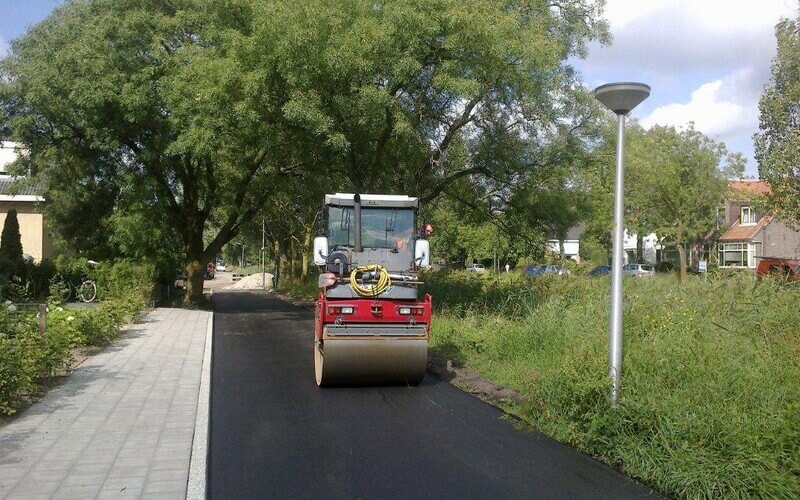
(615, 327)
(263, 258)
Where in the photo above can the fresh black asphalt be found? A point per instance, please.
(275, 434)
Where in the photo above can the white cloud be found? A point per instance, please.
(711, 15)
(723, 108)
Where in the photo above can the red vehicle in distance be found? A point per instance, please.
(788, 269)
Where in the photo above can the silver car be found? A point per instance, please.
(639, 270)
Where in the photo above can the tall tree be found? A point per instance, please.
(160, 94)
(777, 144)
(411, 95)
(11, 258)
(683, 177)
(212, 107)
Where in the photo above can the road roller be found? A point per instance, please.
(371, 328)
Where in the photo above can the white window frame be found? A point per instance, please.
(747, 250)
(748, 220)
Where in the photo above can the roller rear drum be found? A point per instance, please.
(370, 361)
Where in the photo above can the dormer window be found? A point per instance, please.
(748, 216)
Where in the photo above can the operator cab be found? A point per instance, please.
(372, 229)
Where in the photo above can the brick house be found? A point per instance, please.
(750, 234)
(35, 238)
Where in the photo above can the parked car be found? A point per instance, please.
(787, 269)
(476, 268)
(221, 267)
(639, 270)
(546, 269)
(603, 270)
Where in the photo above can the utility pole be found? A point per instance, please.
(263, 257)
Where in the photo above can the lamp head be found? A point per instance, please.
(622, 97)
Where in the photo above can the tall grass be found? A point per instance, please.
(711, 385)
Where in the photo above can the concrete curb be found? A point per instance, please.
(196, 488)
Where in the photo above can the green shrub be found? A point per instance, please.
(297, 287)
(711, 383)
(125, 279)
(11, 257)
(26, 356)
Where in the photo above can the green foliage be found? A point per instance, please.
(26, 356)
(674, 182)
(159, 127)
(11, 258)
(777, 144)
(711, 376)
(125, 279)
(31, 282)
(300, 288)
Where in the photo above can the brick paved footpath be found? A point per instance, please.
(122, 424)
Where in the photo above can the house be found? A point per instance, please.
(751, 234)
(651, 248)
(572, 243)
(35, 238)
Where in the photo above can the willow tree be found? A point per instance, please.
(411, 96)
(108, 93)
(211, 107)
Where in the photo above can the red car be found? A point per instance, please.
(787, 269)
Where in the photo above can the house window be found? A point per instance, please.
(739, 254)
(748, 216)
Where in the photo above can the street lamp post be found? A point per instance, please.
(620, 98)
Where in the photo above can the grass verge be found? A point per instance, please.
(711, 391)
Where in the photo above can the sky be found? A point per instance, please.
(706, 60)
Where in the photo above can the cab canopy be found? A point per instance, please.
(372, 200)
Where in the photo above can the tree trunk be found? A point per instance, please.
(193, 285)
(561, 250)
(682, 258)
(277, 264)
(639, 248)
(292, 259)
(306, 250)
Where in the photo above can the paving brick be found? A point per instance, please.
(121, 483)
(33, 487)
(120, 493)
(75, 492)
(165, 487)
(122, 423)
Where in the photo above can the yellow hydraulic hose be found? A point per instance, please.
(377, 288)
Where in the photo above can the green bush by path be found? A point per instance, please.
(26, 356)
(711, 385)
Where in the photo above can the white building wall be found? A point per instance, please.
(650, 245)
(572, 248)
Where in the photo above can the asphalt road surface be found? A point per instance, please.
(275, 434)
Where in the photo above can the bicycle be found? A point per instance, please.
(64, 289)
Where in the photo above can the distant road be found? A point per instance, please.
(275, 434)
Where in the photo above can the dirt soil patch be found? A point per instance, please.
(471, 381)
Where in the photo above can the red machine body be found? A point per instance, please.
(371, 312)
